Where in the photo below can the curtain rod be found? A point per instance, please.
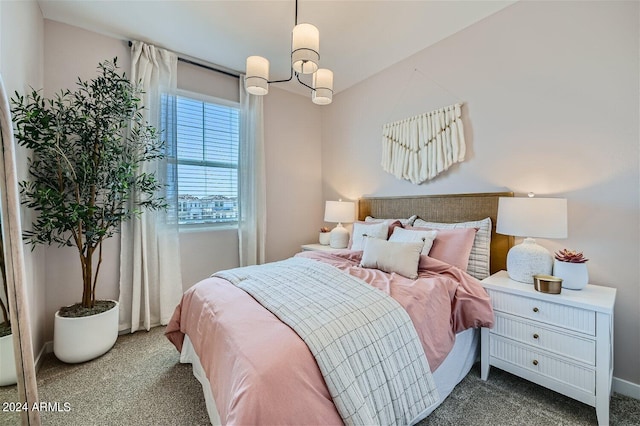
(207, 67)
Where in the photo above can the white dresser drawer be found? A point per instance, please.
(558, 315)
(565, 372)
(545, 338)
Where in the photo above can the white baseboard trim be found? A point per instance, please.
(624, 387)
(47, 348)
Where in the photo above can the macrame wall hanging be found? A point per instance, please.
(421, 147)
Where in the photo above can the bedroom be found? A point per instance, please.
(551, 107)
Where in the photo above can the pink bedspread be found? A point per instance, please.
(261, 372)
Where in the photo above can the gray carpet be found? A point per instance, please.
(140, 382)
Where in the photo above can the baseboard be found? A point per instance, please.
(47, 348)
(624, 387)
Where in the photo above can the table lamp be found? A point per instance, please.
(531, 217)
(339, 212)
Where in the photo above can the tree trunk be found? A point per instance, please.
(87, 274)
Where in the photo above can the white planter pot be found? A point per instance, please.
(8, 374)
(325, 238)
(85, 338)
(575, 276)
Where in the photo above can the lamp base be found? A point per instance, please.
(339, 237)
(528, 259)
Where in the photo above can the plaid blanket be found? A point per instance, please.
(364, 342)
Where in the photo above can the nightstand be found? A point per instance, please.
(563, 342)
(317, 247)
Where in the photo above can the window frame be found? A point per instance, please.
(212, 226)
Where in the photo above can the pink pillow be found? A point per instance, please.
(393, 225)
(452, 246)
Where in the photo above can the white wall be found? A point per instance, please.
(550, 92)
(292, 139)
(21, 65)
(293, 156)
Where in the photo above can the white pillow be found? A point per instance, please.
(401, 258)
(479, 261)
(405, 222)
(401, 235)
(360, 230)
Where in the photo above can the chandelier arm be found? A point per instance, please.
(290, 68)
(282, 81)
(303, 83)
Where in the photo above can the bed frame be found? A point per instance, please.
(445, 208)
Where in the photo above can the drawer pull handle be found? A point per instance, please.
(535, 335)
(535, 309)
(535, 362)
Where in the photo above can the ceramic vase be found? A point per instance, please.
(575, 276)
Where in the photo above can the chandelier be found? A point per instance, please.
(305, 57)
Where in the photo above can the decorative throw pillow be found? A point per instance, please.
(453, 246)
(479, 260)
(401, 235)
(392, 223)
(388, 256)
(360, 230)
(405, 222)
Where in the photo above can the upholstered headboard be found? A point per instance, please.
(445, 208)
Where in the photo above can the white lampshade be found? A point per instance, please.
(339, 211)
(305, 49)
(531, 217)
(257, 76)
(323, 87)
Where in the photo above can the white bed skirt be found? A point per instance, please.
(452, 370)
(189, 356)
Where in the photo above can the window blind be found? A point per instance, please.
(206, 160)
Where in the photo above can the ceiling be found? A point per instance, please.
(358, 38)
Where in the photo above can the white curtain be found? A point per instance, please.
(150, 277)
(252, 221)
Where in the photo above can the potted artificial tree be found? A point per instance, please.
(8, 375)
(88, 146)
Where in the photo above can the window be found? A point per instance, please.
(205, 161)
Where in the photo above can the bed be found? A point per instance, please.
(255, 369)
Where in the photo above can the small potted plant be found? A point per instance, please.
(571, 266)
(325, 236)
